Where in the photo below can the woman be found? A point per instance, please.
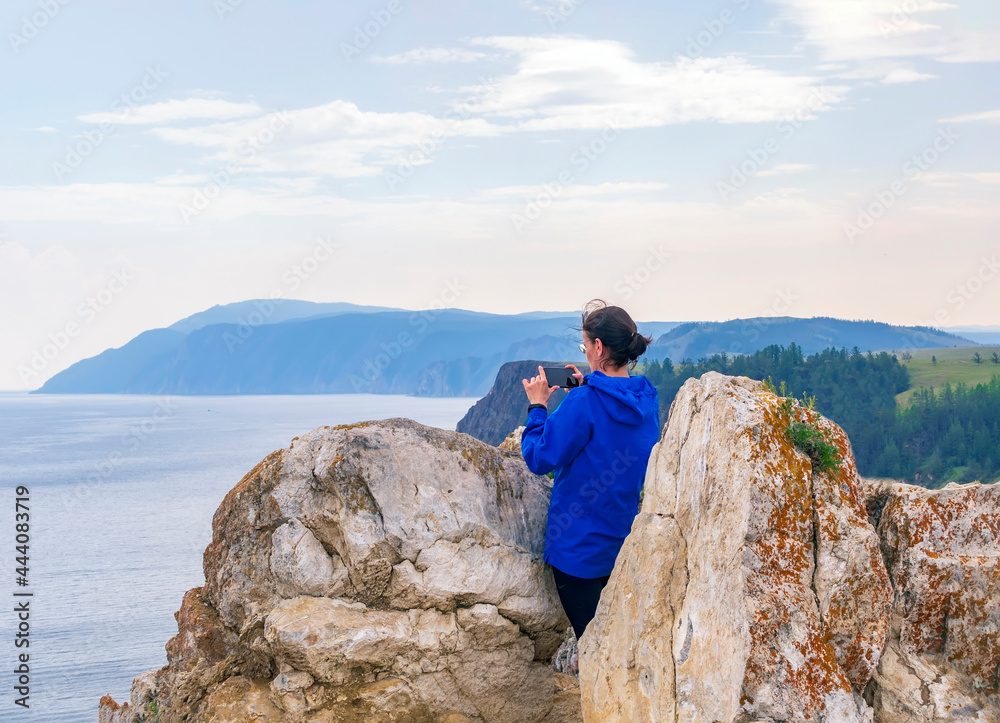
(598, 442)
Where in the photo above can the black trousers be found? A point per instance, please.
(579, 597)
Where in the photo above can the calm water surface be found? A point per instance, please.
(122, 492)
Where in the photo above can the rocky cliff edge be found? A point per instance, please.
(388, 571)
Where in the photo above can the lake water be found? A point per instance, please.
(122, 492)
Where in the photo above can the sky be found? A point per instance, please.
(687, 161)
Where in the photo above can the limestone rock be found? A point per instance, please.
(108, 711)
(381, 571)
(143, 690)
(300, 563)
(512, 442)
(385, 572)
(567, 658)
(942, 548)
(925, 689)
(750, 587)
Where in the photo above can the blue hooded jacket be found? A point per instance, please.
(598, 441)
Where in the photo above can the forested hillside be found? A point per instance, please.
(952, 434)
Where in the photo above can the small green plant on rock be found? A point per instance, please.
(152, 715)
(809, 439)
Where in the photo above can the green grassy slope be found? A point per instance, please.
(953, 365)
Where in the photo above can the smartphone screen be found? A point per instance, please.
(563, 376)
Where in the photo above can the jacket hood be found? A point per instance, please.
(625, 399)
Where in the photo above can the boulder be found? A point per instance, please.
(381, 571)
(512, 442)
(751, 587)
(387, 571)
(942, 550)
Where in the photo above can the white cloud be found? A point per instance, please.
(558, 83)
(989, 116)
(905, 75)
(860, 30)
(169, 111)
(971, 46)
(617, 208)
(957, 179)
(786, 168)
(432, 55)
(45, 129)
(335, 140)
(573, 83)
(878, 70)
(100, 202)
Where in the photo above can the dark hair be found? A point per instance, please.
(616, 330)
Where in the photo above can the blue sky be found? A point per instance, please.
(687, 161)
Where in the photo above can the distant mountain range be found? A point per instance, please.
(262, 311)
(980, 334)
(745, 336)
(299, 347)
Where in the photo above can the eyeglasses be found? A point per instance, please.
(583, 348)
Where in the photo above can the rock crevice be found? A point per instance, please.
(388, 571)
(784, 601)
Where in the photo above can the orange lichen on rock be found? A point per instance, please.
(852, 581)
(108, 711)
(944, 553)
(782, 609)
(789, 642)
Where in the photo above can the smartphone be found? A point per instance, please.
(563, 376)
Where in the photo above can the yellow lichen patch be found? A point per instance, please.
(485, 459)
(355, 425)
(488, 461)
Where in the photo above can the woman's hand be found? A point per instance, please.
(577, 374)
(538, 389)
